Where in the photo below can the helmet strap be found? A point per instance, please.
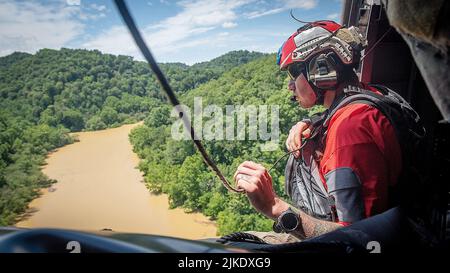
(320, 94)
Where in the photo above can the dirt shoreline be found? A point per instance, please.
(99, 188)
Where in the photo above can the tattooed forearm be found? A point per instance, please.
(311, 227)
(308, 226)
(314, 227)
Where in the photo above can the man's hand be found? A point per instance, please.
(294, 140)
(257, 183)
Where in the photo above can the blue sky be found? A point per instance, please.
(187, 31)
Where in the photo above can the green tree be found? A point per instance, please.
(109, 116)
(72, 119)
(42, 94)
(95, 123)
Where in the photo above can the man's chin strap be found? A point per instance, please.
(320, 94)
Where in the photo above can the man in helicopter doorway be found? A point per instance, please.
(345, 161)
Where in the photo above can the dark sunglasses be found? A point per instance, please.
(295, 69)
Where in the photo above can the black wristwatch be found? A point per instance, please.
(287, 222)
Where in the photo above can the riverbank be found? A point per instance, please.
(99, 187)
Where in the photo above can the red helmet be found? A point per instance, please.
(321, 37)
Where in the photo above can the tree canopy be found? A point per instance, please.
(174, 167)
(44, 96)
(48, 94)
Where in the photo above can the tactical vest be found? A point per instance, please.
(303, 183)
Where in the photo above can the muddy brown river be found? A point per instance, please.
(99, 187)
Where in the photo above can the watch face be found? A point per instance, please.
(289, 221)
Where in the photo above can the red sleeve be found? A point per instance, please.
(367, 163)
(361, 138)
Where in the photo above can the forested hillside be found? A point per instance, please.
(46, 95)
(174, 167)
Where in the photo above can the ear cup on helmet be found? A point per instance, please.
(323, 72)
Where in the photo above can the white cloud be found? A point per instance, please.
(284, 5)
(256, 14)
(116, 40)
(333, 16)
(174, 33)
(229, 25)
(98, 7)
(93, 12)
(29, 26)
(73, 2)
(300, 4)
(197, 32)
